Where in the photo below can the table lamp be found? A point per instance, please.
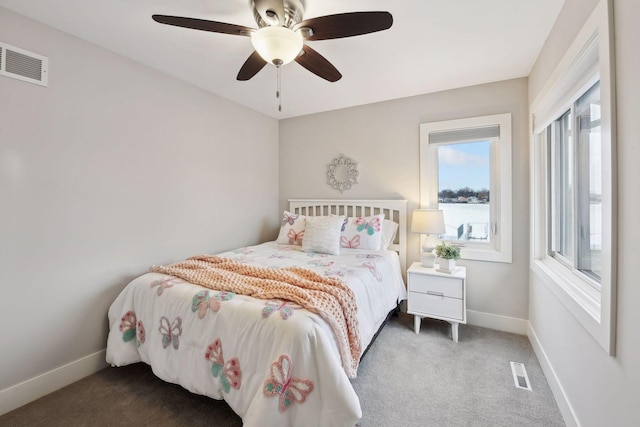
(429, 222)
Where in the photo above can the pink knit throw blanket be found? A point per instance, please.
(326, 296)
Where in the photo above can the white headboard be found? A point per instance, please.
(395, 210)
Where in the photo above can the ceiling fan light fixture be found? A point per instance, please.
(277, 45)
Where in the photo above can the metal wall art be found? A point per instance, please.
(342, 173)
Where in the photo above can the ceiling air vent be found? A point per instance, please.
(23, 65)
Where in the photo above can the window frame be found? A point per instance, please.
(589, 59)
(561, 197)
(499, 249)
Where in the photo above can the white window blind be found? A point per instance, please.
(465, 135)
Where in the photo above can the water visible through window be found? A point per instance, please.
(464, 182)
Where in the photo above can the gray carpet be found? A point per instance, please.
(404, 380)
(428, 380)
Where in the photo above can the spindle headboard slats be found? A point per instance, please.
(394, 210)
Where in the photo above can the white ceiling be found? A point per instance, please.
(433, 45)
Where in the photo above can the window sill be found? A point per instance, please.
(580, 299)
(484, 253)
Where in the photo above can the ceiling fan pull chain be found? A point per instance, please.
(279, 89)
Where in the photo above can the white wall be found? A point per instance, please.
(593, 388)
(384, 139)
(110, 169)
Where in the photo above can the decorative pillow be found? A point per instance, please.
(389, 230)
(292, 229)
(363, 232)
(322, 234)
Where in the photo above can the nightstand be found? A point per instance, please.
(437, 295)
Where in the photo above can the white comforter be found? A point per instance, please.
(274, 363)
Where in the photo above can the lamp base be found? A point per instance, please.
(428, 259)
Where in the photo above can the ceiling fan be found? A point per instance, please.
(282, 34)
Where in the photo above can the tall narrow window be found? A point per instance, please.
(465, 170)
(573, 180)
(575, 186)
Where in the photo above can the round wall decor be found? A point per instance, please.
(342, 173)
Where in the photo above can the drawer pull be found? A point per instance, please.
(435, 294)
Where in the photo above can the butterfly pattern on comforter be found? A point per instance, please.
(286, 308)
(271, 379)
(171, 332)
(203, 300)
(229, 372)
(281, 383)
(132, 328)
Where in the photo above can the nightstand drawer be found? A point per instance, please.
(432, 305)
(445, 286)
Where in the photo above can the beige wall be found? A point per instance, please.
(115, 166)
(600, 390)
(384, 139)
(111, 168)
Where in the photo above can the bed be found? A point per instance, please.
(233, 327)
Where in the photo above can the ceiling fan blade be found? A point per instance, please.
(251, 66)
(318, 65)
(346, 24)
(271, 11)
(204, 25)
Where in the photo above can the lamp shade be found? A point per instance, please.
(277, 45)
(427, 221)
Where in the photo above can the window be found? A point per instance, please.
(575, 187)
(464, 177)
(573, 167)
(465, 170)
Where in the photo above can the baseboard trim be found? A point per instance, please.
(569, 415)
(497, 322)
(20, 394)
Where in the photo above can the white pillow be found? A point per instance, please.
(363, 232)
(322, 234)
(389, 230)
(292, 229)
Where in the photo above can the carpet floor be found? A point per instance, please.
(404, 380)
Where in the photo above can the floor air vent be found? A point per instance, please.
(520, 377)
(23, 65)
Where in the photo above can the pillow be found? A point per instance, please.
(363, 232)
(389, 230)
(322, 234)
(292, 229)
